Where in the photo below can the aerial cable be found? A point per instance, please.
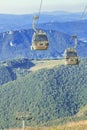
(35, 18)
(74, 36)
(40, 9)
(83, 13)
(81, 17)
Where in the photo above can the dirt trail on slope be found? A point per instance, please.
(80, 125)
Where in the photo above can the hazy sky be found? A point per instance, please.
(32, 6)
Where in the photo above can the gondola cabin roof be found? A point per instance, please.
(71, 52)
(71, 57)
(39, 41)
(39, 36)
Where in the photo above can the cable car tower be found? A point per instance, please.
(23, 116)
(39, 39)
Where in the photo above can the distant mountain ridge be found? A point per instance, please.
(17, 22)
(16, 35)
(70, 27)
(16, 44)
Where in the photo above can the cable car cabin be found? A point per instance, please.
(71, 57)
(39, 41)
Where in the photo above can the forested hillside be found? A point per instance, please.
(48, 94)
(6, 75)
(12, 69)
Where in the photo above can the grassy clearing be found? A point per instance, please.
(46, 64)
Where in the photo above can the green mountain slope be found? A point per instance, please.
(11, 70)
(6, 75)
(81, 115)
(82, 112)
(48, 94)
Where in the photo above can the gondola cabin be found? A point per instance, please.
(39, 41)
(71, 57)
